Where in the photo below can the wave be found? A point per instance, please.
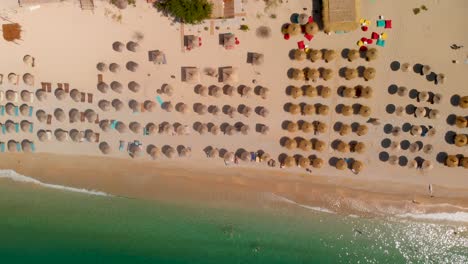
(452, 217)
(286, 200)
(13, 175)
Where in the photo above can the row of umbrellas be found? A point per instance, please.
(74, 115)
(26, 145)
(295, 29)
(355, 165)
(311, 74)
(424, 96)
(63, 135)
(117, 87)
(357, 92)
(306, 127)
(115, 67)
(412, 164)
(415, 130)
(346, 129)
(303, 162)
(192, 74)
(308, 91)
(369, 73)
(14, 78)
(12, 96)
(10, 126)
(308, 109)
(352, 146)
(456, 160)
(329, 55)
(362, 110)
(23, 109)
(130, 46)
(304, 144)
(229, 90)
(241, 154)
(61, 95)
(413, 147)
(136, 150)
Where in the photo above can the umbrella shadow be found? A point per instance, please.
(410, 109)
(405, 144)
(337, 126)
(441, 157)
(290, 73)
(360, 70)
(455, 100)
(395, 65)
(392, 89)
(417, 68)
(259, 127)
(431, 77)
(342, 72)
(402, 161)
(288, 90)
(354, 127)
(406, 127)
(384, 156)
(344, 53)
(282, 157)
(451, 119)
(450, 137)
(388, 128)
(386, 143)
(340, 90)
(291, 54)
(286, 107)
(413, 94)
(390, 109)
(356, 108)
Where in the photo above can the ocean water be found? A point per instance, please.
(41, 224)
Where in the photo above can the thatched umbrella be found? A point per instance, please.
(420, 112)
(315, 55)
(42, 135)
(317, 163)
(349, 92)
(343, 147)
(347, 110)
(327, 74)
(134, 150)
(396, 131)
(154, 152)
(244, 156)
(399, 110)
(203, 129)
(264, 157)
(60, 135)
(121, 127)
(371, 54)
(134, 86)
(216, 91)
(151, 128)
(105, 125)
(414, 147)
(451, 161)
(164, 128)
(10, 95)
(405, 66)
(426, 69)
(28, 60)
(101, 66)
(114, 67)
(10, 126)
(182, 108)
(290, 162)
(90, 115)
(440, 78)
(345, 129)
(230, 130)
(26, 96)
(434, 114)
(28, 79)
(323, 109)
(244, 129)
(41, 95)
(134, 105)
(12, 146)
(264, 129)
(135, 127)
(362, 130)
(312, 74)
(168, 90)
(60, 115)
(428, 149)
(132, 66)
(320, 127)
(300, 55)
(229, 110)
(353, 55)
(367, 92)
(296, 92)
(350, 73)
(290, 143)
(325, 92)
(118, 46)
(307, 127)
(245, 91)
(319, 145)
(12, 78)
(305, 145)
(463, 102)
(263, 112)
(298, 74)
(75, 95)
(461, 140)
(104, 105)
(25, 125)
(117, 104)
(133, 46)
(214, 130)
(304, 162)
(200, 109)
(24, 109)
(10, 109)
(360, 147)
(437, 98)
(416, 130)
(203, 90)
(329, 55)
(395, 145)
(292, 127)
(413, 164)
(257, 59)
(116, 87)
(423, 96)
(393, 159)
(263, 92)
(461, 122)
(74, 115)
(229, 157)
(402, 91)
(311, 28)
(464, 162)
(310, 91)
(365, 111)
(105, 148)
(167, 106)
(293, 29)
(101, 86)
(149, 105)
(341, 164)
(294, 109)
(309, 109)
(369, 73)
(357, 166)
(427, 165)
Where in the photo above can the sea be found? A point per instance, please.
(45, 223)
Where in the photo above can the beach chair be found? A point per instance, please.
(49, 134)
(82, 117)
(90, 98)
(31, 110)
(2, 96)
(375, 35)
(33, 147)
(113, 124)
(253, 156)
(380, 42)
(121, 145)
(49, 119)
(142, 107)
(31, 127)
(66, 87)
(300, 44)
(16, 97)
(18, 147)
(388, 24)
(16, 111)
(380, 23)
(145, 132)
(98, 135)
(44, 86)
(2, 147)
(49, 88)
(159, 100)
(59, 85)
(17, 127)
(100, 79)
(83, 97)
(3, 129)
(308, 37)
(2, 110)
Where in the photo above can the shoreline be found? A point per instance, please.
(238, 187)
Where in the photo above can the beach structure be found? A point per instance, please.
(11, 32)
(191, 42)
(340, 15)
(228, 74)
(157, 57)
(191, 75)
(224, 9)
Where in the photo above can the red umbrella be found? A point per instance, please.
(286, 36)
(369, 41)
(364, 28)
(363, 48)
(363, 39)
(309, 37)
(375, 35)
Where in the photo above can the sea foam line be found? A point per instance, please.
(286, 200)
(454, 217)
(13, 175)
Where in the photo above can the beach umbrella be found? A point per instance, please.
(168, 90)
(353, 55)
(452, 161)
(464, 162)
(434, 114)
(341, 164)
(26, 96)
(135, 127)
(402, 91)
(118, 46)
(132, 66)
(10, 126)
(327, 74)
(304, 162)
(321, 127)
(360, 147)
(347, 110)
(345, 129)
(164, 128)
(42, 135)
(437, 98)
(229, 157)
(134, 87)
(216, 91)
(300, 55)
(298, 74)
(395, 145)
(296, 92)
(117, 104)
(12, 146)
(104, 105)
(263, 92)
(460, 140)
(329, 55)
(180, 129)
(362, 130)
(214, 109)
(213, 153)
(315, 55)
(399, 110)
(371, 54)
(75, 95)
(149, 105)
(317, 163)
(132, 45)
(28, 79)
(101, 86)
(423, 96)
(184, 151)
(135, 106)
(303, 19)
(325, 92)
(305, 145)
(60, 115)
(310, 91)
(414, 147)
(134, 150)
(263, 112)
(166, 106)
(307, 127)
(101, 66)
(105, 125)
(367, 92)
(200, 109)
(420, 112)
(349, 92)
(257, 58)
(413, 164)
(182, 108)
(290, 143)
(10, 95)
(28, 60)
(323, 109)
(10, 109)
(105, 148)
(393, 159)
(41, 95)
(203, 129)
(90, 115)
(230, 130)
(244, 156)
(24, 109)
(350, 73)
(432, 131)
(293, 29)
(426, 69)
(264, 157)
(463, 102)
(369, 73)
(461, 122)
(440, 78)
(121, 127)
(264, 129)
(246, 91)
(308, 109)
(60, 135)
(290, 162)
(343, 147)
(116, 87)
(74, 115)
(244, 129)
(428, 149)
(114, 67)
(203, 90)
(12, 78)
(151, 128)
(312, 74)
(294, 109)
(357, 166)
(319, 145)
(416, 130)
(214, 130)
(229, 110)
(405, 66)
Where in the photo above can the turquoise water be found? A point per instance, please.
(39, 225)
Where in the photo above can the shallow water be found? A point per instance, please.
(40, 225)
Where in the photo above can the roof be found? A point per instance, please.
(36, 2)
(340, 15)
(223, 9)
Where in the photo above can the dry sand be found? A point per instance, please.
(67, 43)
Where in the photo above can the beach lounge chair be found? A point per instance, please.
(60, 85)
(49, 134)
(253, 156)
(2, 147)
(31, 128)
(31, 110)
(159, 100)
(17, 127)
(82, 117)
(380, 23)
(97, 119)
(44, 86)
(145, 132)
(18, 147)
(375, 35)
(16, 111)
(113, 124)
(49, 88)
(66, 87)
(388, 24)
(3, 129)
(308, 37)
(83, 97)
(300, 44)
(98, 135)
(380, 42)
(2, 110)
(33, 147)
(49, 119)
(90, 98)
(121, 145)
(100, 79)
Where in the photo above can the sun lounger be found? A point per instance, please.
(17, 128)
(31, 110)
(3, 129)
(18, 146)
(83, 97)
(97, 119)
(49, 134)
(66, 87)
(121, 145)
(16, 111)
(82, 118)
(159, 100)
(49, 119)
(59, 85)
(16, 97)
(300, 44)
(44, 86)
(97, 137)
(2, 147)
(145, 132)
(33, 147)
(49, 89)
(380, 42)
(90, 98)
(380, 23)
(2, 96)
(113, 124)
(375, 35)
(31, 127)
(2, 110)
(388, 24)
(99, 78)
(308, 37)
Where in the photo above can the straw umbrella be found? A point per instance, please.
(371, 54)
(60, 94)
(427, 165)
(310, 91)
(168, 90)
(300, 55)
(60, 115)
(414, 147)
(60, 135)
(105, 125)
(399, 110)
(327, 74)
(149, 105)
(182, 108)
(24, 109)
(213, 153)
(214, 130)
(230, 130)
(405, 66)
(104, 105)
(420, 112)
(434, 114)
(402, 91)
(312, 74)
(464, 162)
(323, 110)
(203, 90)
(203, 129)
(463, 102)
(290, 162)
(307, 127)
(229, 157)
(133, 46)
(413, 164)
(25, 125)
(369, 73)
(353, 55)
(216, 91)
(320, 127)
(432, 131)
(305, 145)
(325, 92)
(437, 98)
(298, 74)
(393, 160)
(308, 109)
(416, 130)
(90, 115)
(244, 129)
(423, 96)
(367, 92)
(116, 87)
(12, 146)
(293, 29)
(329, 55)
(315, 55)
(75, 95)
(41, 95)
(26, 96)
(461, 122)
(263, 92)
(395, 145)
(311, 28)
(264, 129)
(360, 147)
(245, 91)
(428, 149)
(292, 127)
(134, 105)
(461, 140)
(105, 148)
(244, 155)
(345, 129)
(362, 130)
(357, 166)
(151, 128)
(135, 127)
(42, 135)
(296, 92)
(290, 143)
(12, 78)
(349, 92)
(10, 126)
(347, 110)
(341, 164)
(294, 109)
(28, 79)
(10, 95)
(118, 46)
(350, 73)
(319, 145)
(317, 163)
(74, 115)
(114, 67)
(263, 112)
(10, 109)
(452, 161)
(257, 58)
(184, 151)
(365, 111)
(164, 128)
(200, 109)
(342, 147)
(132, 66)
(134, 86)
(117, 104)
(101, 66)
(426, 69)
(229, 110)
(440, 78)
(121, 127)
(304, 162)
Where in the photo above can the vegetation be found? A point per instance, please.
(244, 28)
(186, 11)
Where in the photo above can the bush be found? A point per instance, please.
(186, 11)
(244, 27)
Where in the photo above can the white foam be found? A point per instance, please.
(13, 175)
(286, 200)
(453, 217)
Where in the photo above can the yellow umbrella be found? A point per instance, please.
(347, 110)
(300, 55)
(367, 92)
(315, 55)
(298, 74)
(365, 111)
(463, 102)
(350, 73)
(369, 73)
(321, 127)
(312, 74)
(345, 129)
(296, 92)
(307, 127)
(357, 166)
(451, 161)
(461, 122)
(341, 164)
(353, 55)
(362, 130)
(461, 140)
(294, 109)
(325, 92)
(329, 55)
(293, 29)
(308, 109)
(310, 91)
(317, 163)
(290, 143)
(360, 147)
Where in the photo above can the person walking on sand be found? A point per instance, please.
(430, 190)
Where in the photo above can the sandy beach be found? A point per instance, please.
(68, 44)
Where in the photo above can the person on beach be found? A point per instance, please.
(455, 46)
(430, 190)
